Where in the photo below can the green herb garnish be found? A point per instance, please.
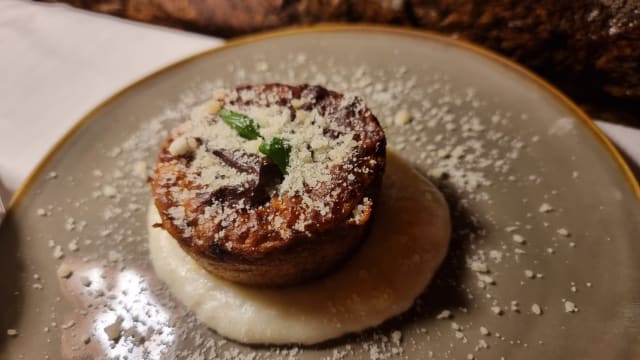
(244, 125)
(278, 151)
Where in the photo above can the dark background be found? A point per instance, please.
(590, 49)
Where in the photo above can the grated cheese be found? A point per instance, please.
(314, 155)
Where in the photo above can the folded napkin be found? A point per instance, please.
(627, 140)
(58, 63)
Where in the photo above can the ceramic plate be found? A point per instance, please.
(544, 258)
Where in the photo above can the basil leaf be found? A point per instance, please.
(278, 151)
(244, 125)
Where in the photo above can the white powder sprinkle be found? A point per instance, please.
(396, 337)
(515, 306)
(495, 255)
(486, 279)
(109, 191)
(64, 271)
(70, 224)
(478, 266)
(57, 252)
(570, 307)
(73, 245)
(482, 344)
(545, 208)
(139, 169)
(402, 117)
(114, 256)
(535, 308)
(444, 314)
(518, 238)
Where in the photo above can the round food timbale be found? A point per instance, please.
(271, 184)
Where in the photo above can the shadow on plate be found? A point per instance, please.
(11, 288)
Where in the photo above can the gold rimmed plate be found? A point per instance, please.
(543, 261)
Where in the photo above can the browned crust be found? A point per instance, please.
(261, 254)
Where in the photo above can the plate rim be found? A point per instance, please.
(604, 141)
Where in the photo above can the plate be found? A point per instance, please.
(543, 260)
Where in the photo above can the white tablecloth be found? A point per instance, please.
(57, 63)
